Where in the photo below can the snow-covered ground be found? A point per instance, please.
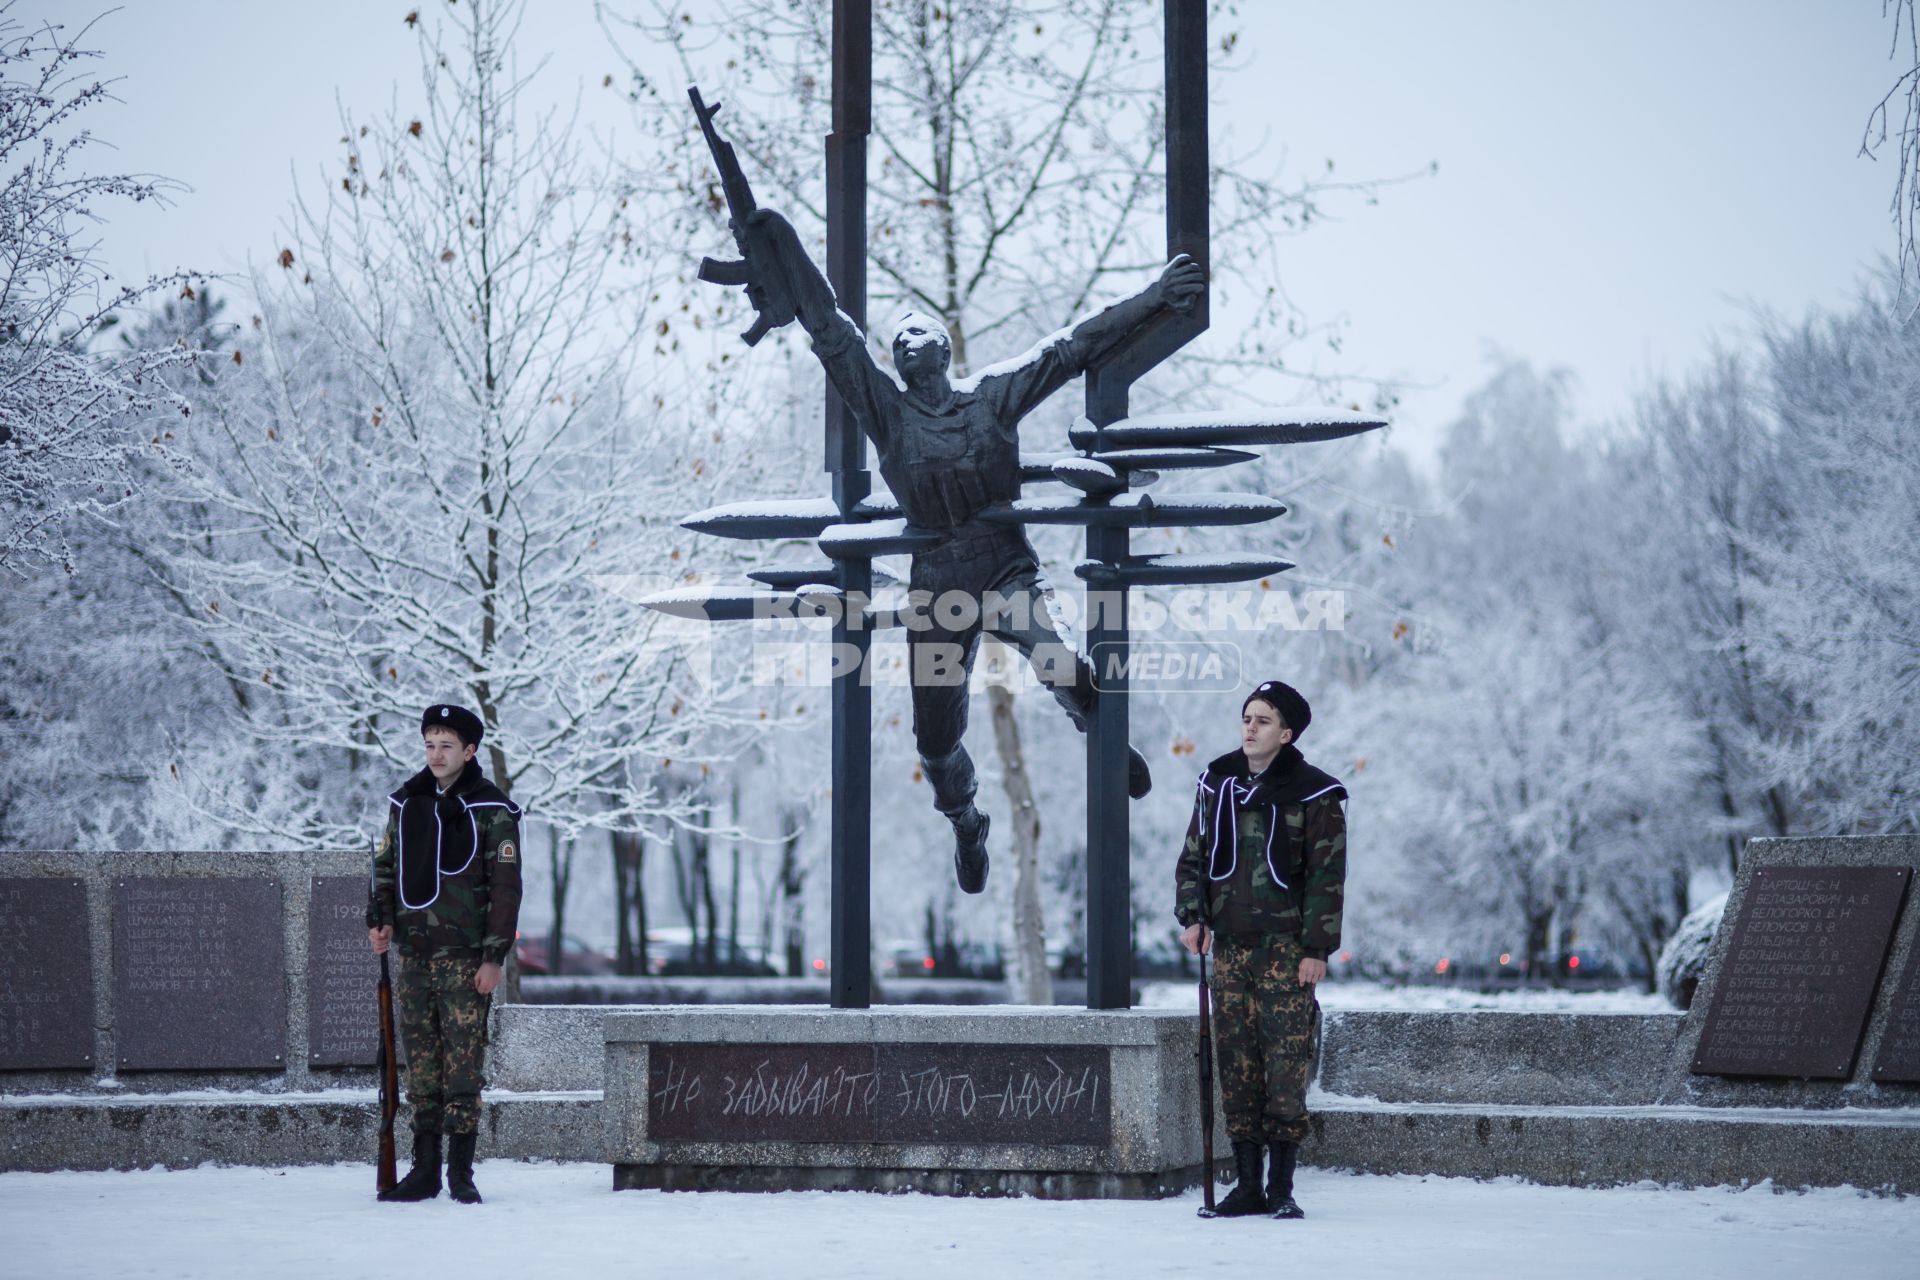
(561, 1220)
(1374, 995)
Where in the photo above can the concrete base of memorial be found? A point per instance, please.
(1064, 1103)
(1589, 1100)
(180, 1130)
(1683, 1146)
(542, 1101)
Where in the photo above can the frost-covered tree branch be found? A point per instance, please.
(458, 433)
(73, 418)
(1904, 98)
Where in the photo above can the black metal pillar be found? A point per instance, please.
(1109, 865)
(851, 890)
(1189, 229)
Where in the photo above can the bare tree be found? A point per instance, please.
(467, 408)
(74, 419)
(1879, 130)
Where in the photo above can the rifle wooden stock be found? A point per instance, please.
(389, 1073)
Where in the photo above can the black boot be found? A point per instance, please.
(970, 849)
(423, 1180)
(1139, 777)
(460, 1168)
(1246, 1197)
(1280, 1179)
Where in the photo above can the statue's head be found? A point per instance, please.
(921, 344)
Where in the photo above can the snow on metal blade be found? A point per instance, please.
(878, 538)
(1089, 476)
(1171, 459)
(1036, 467)
(1284, 426)
(765, 518)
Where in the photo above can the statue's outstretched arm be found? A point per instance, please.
(1019, 385)
(1180, 283)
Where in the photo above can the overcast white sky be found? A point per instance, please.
(1618, 182)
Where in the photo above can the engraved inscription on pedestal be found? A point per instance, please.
(1800, 970)
(1899, 1060)
(199, 973)
(343, 1021)
(46, 976)
(880, 1093)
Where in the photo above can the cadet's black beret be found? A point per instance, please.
(1284, 698)
(449, 715)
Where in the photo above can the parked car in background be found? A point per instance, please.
(576, 957)
(906, 958)
(672, 953)
(1154, 957)
(1601, 965)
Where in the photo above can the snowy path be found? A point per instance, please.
(548, 1220)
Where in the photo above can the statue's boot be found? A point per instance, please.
(1280, 1161)
(1139, 777)
(460, 1168)
(970, 849)
(423, 1180)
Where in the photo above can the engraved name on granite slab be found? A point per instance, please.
(1800, 970)
(343, 1020)
(46, 975)
(199, 973)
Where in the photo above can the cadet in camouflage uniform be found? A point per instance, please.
(1259, 886)
(446, 878)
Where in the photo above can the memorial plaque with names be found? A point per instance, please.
(46, 975)
(1899, 1060)
(343, 1018)
(871, 1093)
(1800, 970)
(199, 973)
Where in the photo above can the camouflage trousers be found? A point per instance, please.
(444, 1022)
(1264, 1034)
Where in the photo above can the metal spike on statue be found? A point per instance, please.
(949, 453)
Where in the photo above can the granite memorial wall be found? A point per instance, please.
(184, 970)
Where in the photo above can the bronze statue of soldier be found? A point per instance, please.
(948, 450)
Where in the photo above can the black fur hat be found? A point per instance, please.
(1285, 699)
(450, 715)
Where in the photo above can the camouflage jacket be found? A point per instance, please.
(1271, 851)
(446, 875)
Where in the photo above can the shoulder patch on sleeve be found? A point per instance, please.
(508, 853)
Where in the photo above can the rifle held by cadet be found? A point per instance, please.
(1206, 1068)
(386, 1068)
(760, 271)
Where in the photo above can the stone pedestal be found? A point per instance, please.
(1058, 1103)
